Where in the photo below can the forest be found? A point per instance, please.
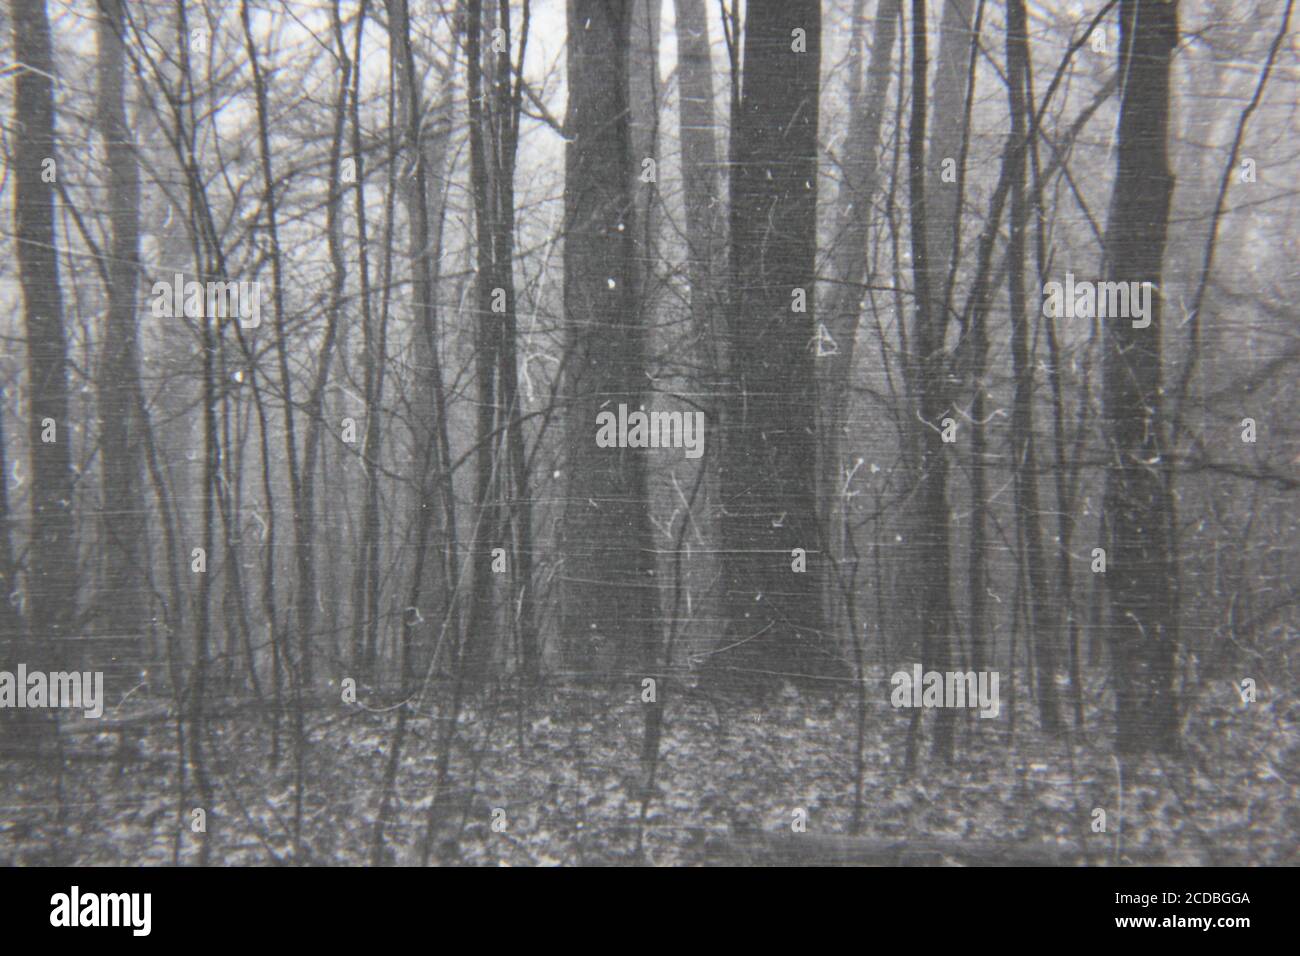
(649, 432)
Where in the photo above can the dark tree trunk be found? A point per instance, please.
(485, 532)
(1142, 630)
(51, 564)
(501, 484)
(951, 76)
(433, 478)
(609, 612)
(366, 575)
(769, 470)
(508, 110)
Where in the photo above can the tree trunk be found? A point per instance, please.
(1039, 605)
(775, 625)
(930, 364)
(433, 478)
(486, 518)
(609, 608)
(123, 512)
(861, 173)
(1142, 630)
(52, 563)
(508, 110)
(700, 179)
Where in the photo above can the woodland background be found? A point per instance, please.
(365, 589)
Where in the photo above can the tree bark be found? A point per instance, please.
(1142, 632)
(1039, 605)
(52, 564)
(123, 512)
(609, 608)
(861, 174)
(930, 364)
(775, 623)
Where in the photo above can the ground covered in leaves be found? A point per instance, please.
(557, 778)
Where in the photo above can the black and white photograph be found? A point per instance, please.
(650, 433)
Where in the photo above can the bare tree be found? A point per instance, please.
(609, 611)
(52, 565)
(1143, 633)
(124, 527)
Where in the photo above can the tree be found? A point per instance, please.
(502, 479)
(52, 564)
(700, 179)
(769, 467)
(433, 480)
(609, 606)
(929, 363)
(123, 525)
(1041, 609)
(1142, 632)
(861, 174)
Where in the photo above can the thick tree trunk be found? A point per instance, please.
(769, 471)
(947, 120)
(609, 608)
(1142, 632)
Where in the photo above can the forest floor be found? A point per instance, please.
(561, 777)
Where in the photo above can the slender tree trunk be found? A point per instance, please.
(52, 564)
(433, 479)
(1038, 601)
(705, 207)
(10, 621)
(365, 586)
(488, 292)
(123, 515)
(930, 363)
(315, 406)
(508, 111)
(861, 175)
(700, 179)
(303, 615)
